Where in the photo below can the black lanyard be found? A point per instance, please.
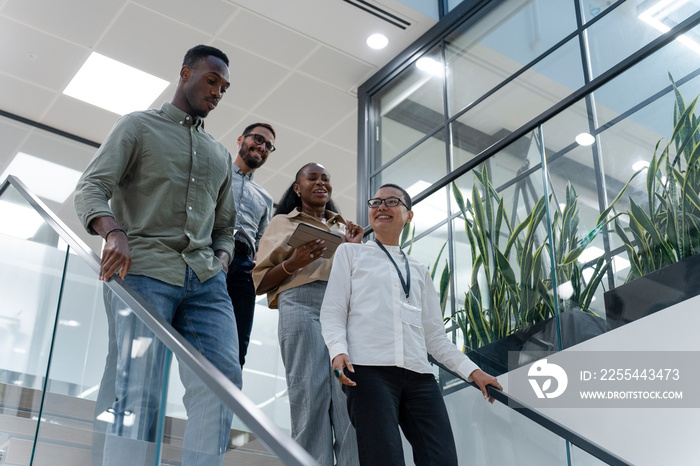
(406, 286)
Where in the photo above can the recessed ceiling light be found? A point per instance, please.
(45, 179)
(377, 41)
(585, 139)
(114, 86)
(639, 165)
(430, 65)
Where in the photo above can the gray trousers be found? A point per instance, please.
(320, 421)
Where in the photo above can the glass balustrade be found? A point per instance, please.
(58, 366)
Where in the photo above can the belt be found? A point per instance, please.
(241, 248)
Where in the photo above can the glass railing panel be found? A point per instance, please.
(240, 445)
(483, 54)
(494, 434)
(69, 432)
(32, 259)
(83, 420)
(582, 458)
(80, 412)
(409, 108)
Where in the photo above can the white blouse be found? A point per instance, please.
(364, 313)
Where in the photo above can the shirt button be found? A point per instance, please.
(193, 179)
(189, 207)
(181, 122)
(194, 152)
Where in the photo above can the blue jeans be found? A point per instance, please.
(203, 315)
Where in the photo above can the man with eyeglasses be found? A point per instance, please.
(254, 207)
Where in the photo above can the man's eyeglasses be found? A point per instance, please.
(261, 140)
(389, 202)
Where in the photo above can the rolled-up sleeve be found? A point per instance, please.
(336, 303)
(104, 172)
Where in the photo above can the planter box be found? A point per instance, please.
(653, 292)
(530, 343)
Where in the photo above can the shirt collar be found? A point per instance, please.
(237, 170)
(181, 117)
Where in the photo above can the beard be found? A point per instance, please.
(250, 160)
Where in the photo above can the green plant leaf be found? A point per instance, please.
(444, 287)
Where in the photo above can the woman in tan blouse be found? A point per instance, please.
(295, 281)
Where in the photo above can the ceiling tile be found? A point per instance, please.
(14, 95)
(207, 15)
(37, 57)
(346, 73)
(345, 133)
(80, 21)
(77, 117)
(150, 42)
(311, 106)
(252, 77)
(224, 121)
(56, 149)
(267, 39)
(12, 136)
(343, 26)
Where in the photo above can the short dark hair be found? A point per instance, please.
(250, 128)
(404, 193)
(200, 52)
(291, 201)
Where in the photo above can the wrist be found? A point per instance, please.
(113, 230)
(287, 271)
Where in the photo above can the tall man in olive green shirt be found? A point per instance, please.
(169, 235)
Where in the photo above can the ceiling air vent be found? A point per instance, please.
(380, 13)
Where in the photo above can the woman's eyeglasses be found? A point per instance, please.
(389, 202)
(261, 140)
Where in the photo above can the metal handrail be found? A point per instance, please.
(288, 451)
(541, 419)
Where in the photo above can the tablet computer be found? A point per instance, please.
(305, 233)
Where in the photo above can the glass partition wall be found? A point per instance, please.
(549, 146)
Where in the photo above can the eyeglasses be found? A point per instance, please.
(261, 140)
(389, 202)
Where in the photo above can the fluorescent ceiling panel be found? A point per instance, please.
(18, 221)
(45, 179)
(114, 86)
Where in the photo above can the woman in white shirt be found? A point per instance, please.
(381, 312)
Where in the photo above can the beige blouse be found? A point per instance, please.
(273, 250)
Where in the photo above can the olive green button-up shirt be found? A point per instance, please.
(170, 188)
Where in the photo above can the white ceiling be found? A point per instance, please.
(294, 63)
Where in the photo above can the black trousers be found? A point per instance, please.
(241, 289)
(388, 397)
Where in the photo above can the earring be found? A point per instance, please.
(298, 194)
